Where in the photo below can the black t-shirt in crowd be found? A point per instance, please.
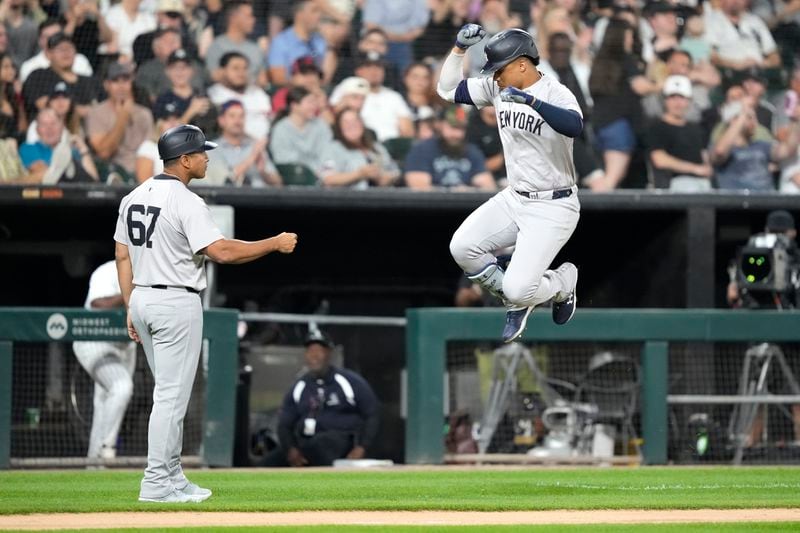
(87, 38)
(439, 39)
(682, 142)
(487, 139)
(84, 91)
(207, 122)
(624, 102)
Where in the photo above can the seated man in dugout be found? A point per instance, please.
(329, 413)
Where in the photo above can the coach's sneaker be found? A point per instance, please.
(565, 302)
(175, 496)
(195, 492)
(516, 319)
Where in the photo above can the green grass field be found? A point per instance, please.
(412, 490)
(455, 490)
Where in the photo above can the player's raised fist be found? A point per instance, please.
(468, 35)
(286, 242)
(512, 94)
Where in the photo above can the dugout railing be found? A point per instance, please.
(653, 332)
(51, 325)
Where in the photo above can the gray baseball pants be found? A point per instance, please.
(170, 325)
(538, 228)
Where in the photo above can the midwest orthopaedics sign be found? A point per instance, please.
(59, 326)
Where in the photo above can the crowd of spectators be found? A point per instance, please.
(677, 94)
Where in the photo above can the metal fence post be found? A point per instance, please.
(425, 368)
(6, 362)
(219, 326)
(655, 371)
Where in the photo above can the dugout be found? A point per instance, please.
(380, 252)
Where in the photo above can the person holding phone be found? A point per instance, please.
(741, 149)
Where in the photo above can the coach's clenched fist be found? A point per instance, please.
(286, 242)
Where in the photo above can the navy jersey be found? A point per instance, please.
(339, 401)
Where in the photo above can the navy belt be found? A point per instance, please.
(546, 195)
(165, 287)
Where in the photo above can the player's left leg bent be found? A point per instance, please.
(487, 229)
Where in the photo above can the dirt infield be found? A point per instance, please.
(199, 519)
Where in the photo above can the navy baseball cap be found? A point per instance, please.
(229, 104)
(317, 337)
(60, 89)
(169, 107)
(780, 220)
(57, 39)
(370, 58)
(179, 56)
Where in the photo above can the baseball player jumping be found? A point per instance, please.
(164, 233)
(537, 118)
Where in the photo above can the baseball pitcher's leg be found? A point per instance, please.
(112, 374)
(488, 229)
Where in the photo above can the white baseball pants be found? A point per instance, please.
(111, 365)
(538, 228)
(170, 324)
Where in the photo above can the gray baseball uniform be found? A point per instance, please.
(540, 168)
(165, 226)
(111, 366)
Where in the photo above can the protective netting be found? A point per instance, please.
(52, 404)
(272, 354)
(564, 400)
(745, 431)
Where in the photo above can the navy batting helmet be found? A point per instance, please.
(183, 139)
(506, 46)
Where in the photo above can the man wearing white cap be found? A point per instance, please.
(350, 94)
(676, 145)
(169, 14)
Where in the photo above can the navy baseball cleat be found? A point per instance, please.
(564, 311)
(565, 303)
(516, 319)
